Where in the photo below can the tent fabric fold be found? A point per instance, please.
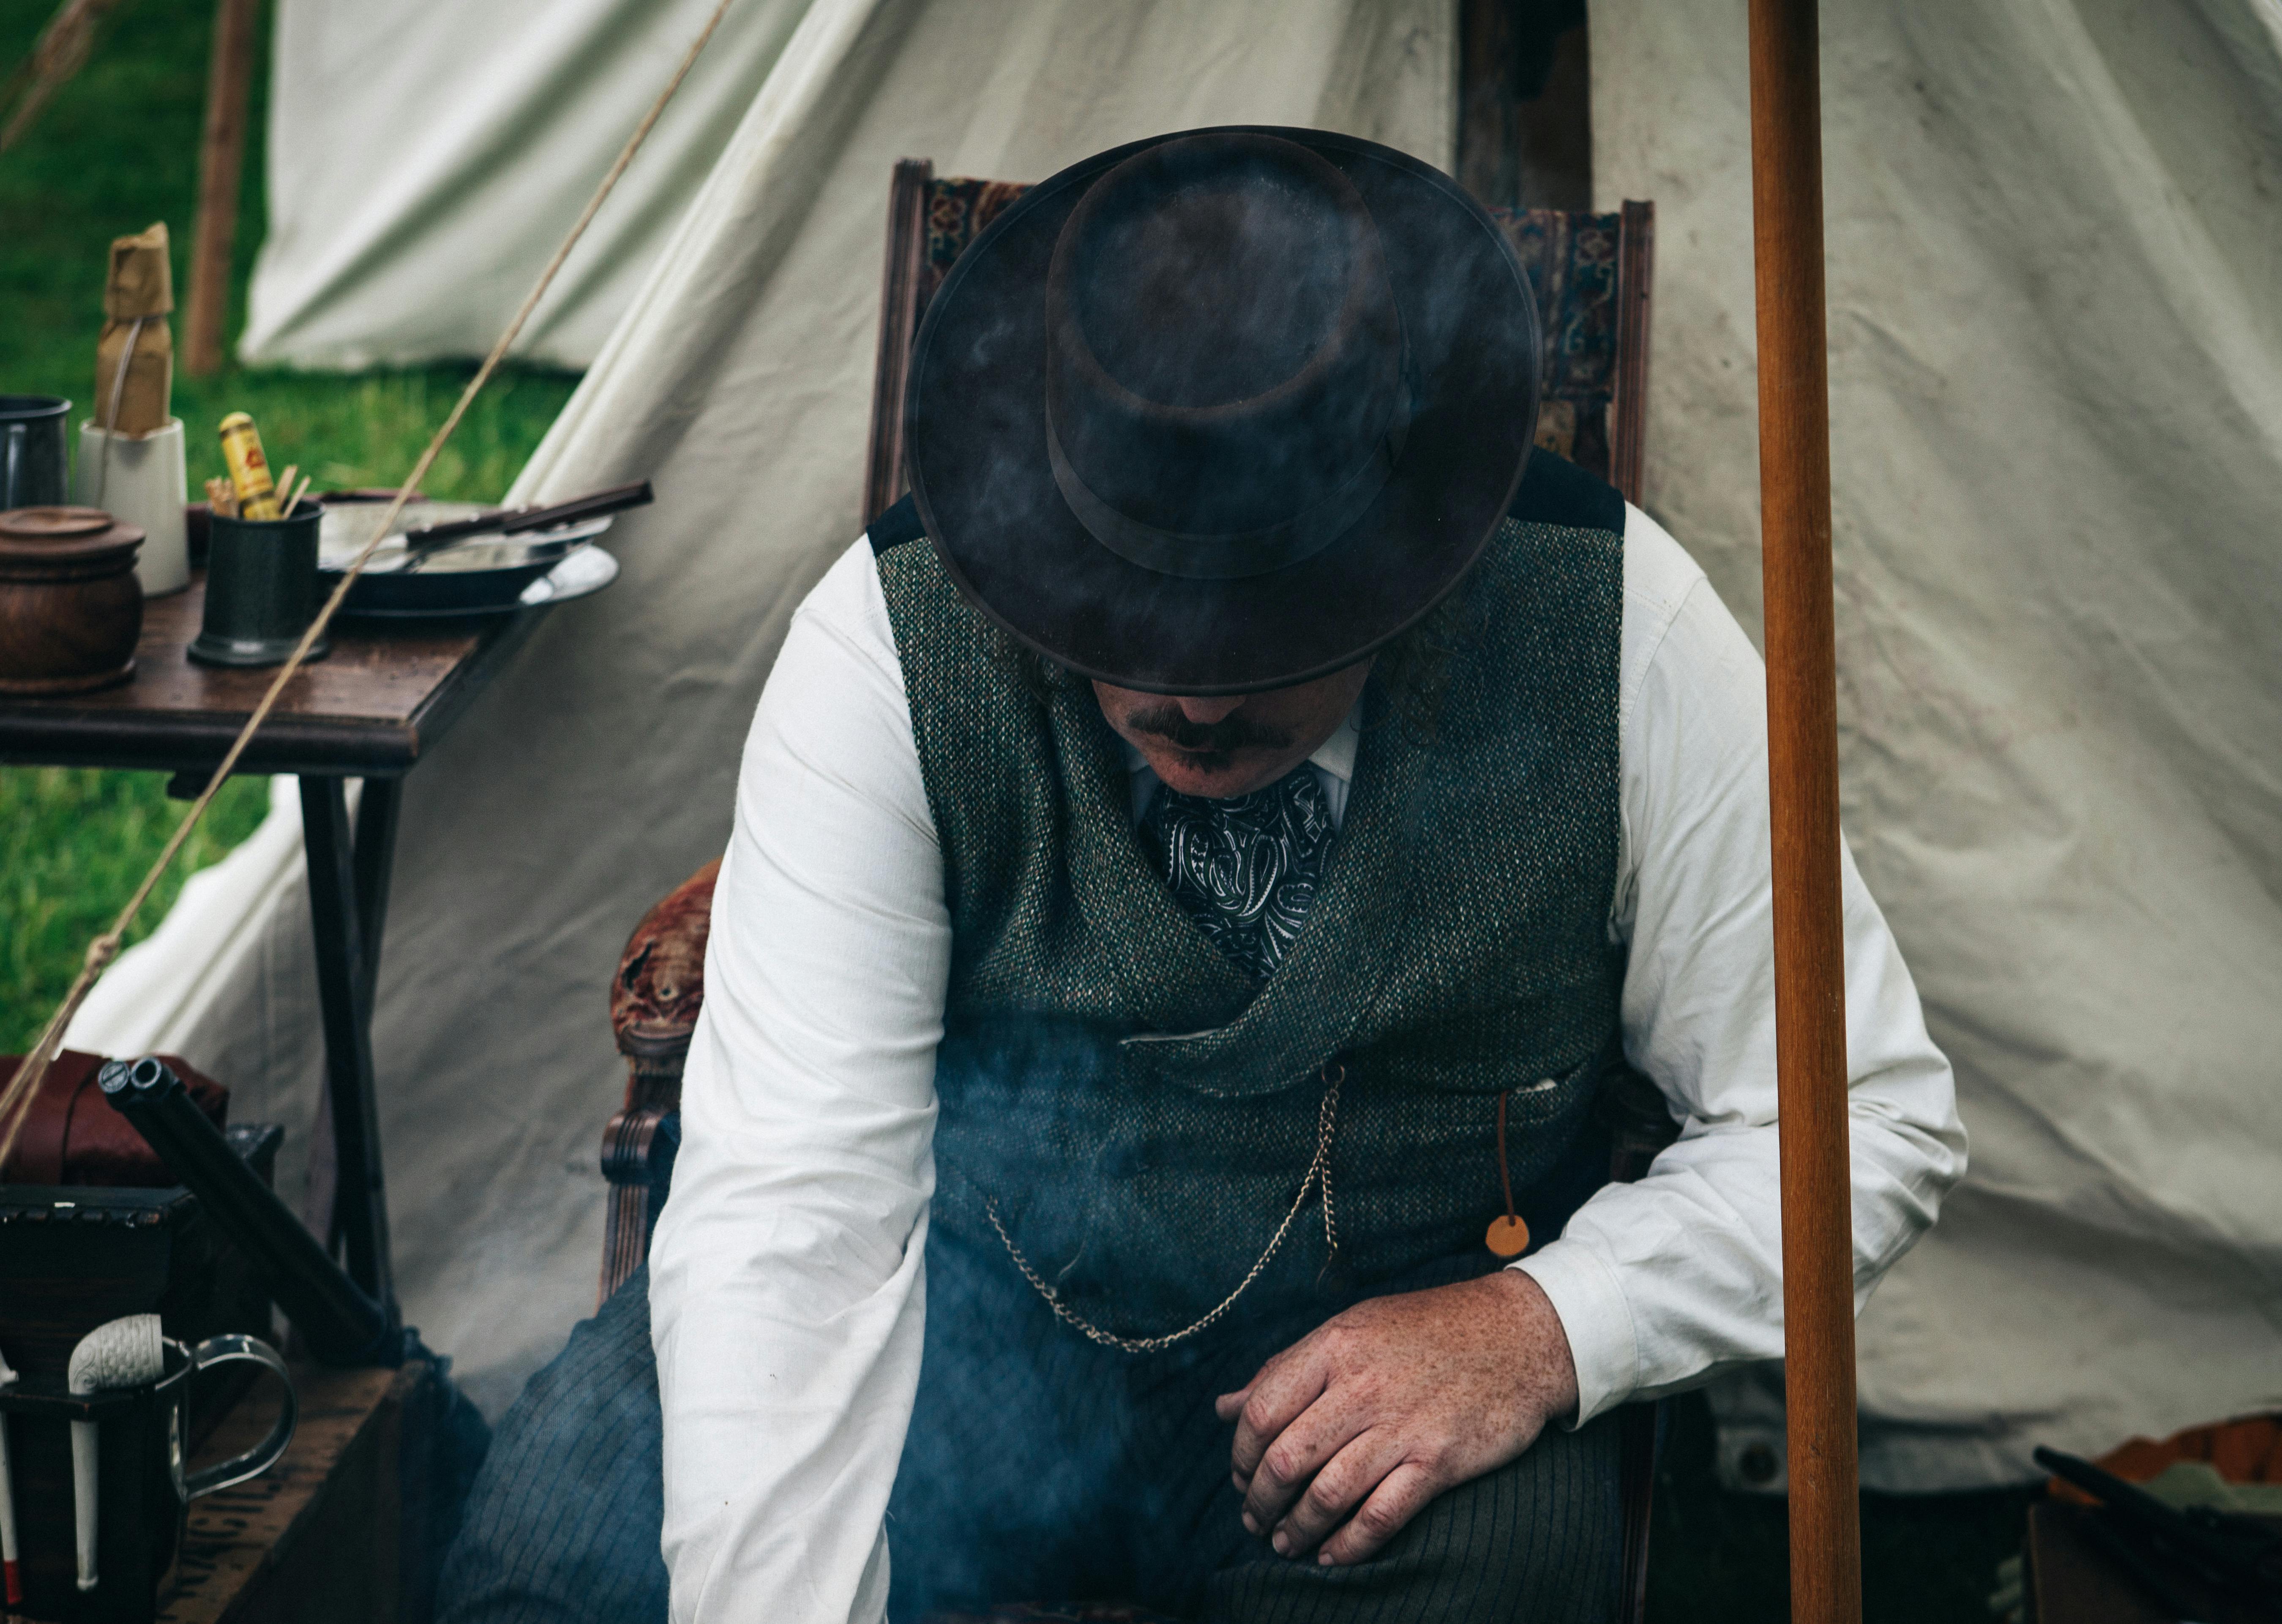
(426, 157)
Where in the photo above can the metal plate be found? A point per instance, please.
(587, 571)
(480, 576)
(347, 526)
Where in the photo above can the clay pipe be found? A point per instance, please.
(8, 1552)
(125, 1353)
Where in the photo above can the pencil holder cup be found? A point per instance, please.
(262, 589)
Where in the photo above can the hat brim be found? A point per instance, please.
(981, 479)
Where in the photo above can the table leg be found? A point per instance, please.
(340, 873)
(376, 860)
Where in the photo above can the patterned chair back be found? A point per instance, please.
(1590, 273)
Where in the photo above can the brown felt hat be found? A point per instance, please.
(1225, 410)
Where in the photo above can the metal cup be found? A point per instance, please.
(262, 589)
(34, 465)
(142, 1486)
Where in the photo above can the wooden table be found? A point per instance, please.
(370, 709)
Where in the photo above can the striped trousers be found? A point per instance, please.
(1041, 1466)
(1038, 1467)
(562, 1524)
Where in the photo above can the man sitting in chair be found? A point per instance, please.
(1196, 868)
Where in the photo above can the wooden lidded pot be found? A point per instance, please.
(70, 607)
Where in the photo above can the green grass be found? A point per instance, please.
(73, 845)
(116, 150)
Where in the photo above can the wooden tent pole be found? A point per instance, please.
(221, 161)
(1826, 1558)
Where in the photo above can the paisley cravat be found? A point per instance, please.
(1246, 868)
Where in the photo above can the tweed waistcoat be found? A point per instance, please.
(1116, 1093)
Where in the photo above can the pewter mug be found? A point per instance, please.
(145, 1483)
(33, 461)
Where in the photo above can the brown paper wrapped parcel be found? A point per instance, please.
(140, 288)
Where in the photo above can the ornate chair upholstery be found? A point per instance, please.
(1591, 276)
(654, 1002)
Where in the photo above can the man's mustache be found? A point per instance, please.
(1236, 731)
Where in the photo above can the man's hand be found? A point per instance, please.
(1390, 1403)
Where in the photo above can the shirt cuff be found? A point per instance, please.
(1595, 1317)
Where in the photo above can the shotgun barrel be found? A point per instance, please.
(342, 1324)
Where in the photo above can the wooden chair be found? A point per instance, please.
(1591, 276)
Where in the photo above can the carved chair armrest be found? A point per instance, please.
(660, 986)
(638, 1146)
(654, 998)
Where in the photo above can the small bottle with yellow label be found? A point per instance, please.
(248, 469)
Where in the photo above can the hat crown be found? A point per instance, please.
(1224, 370)
(1214, 287)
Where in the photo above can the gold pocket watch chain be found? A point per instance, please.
(1319, 1172)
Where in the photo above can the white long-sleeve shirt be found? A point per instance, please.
(787, 1288)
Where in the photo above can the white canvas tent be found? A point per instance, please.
(2056, 358)
(426, 157)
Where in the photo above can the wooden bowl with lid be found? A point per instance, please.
(70, 607)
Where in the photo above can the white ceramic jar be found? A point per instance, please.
(140, 481)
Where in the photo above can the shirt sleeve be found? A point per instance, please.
(787, 1287)
(1662, 1283)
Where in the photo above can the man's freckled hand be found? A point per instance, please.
(1344, 1436)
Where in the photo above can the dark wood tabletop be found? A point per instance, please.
(368, 708)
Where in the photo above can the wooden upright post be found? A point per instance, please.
(899, 321)
(222, 160)
(1825, 1554)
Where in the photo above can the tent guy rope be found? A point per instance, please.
(14, 1103)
